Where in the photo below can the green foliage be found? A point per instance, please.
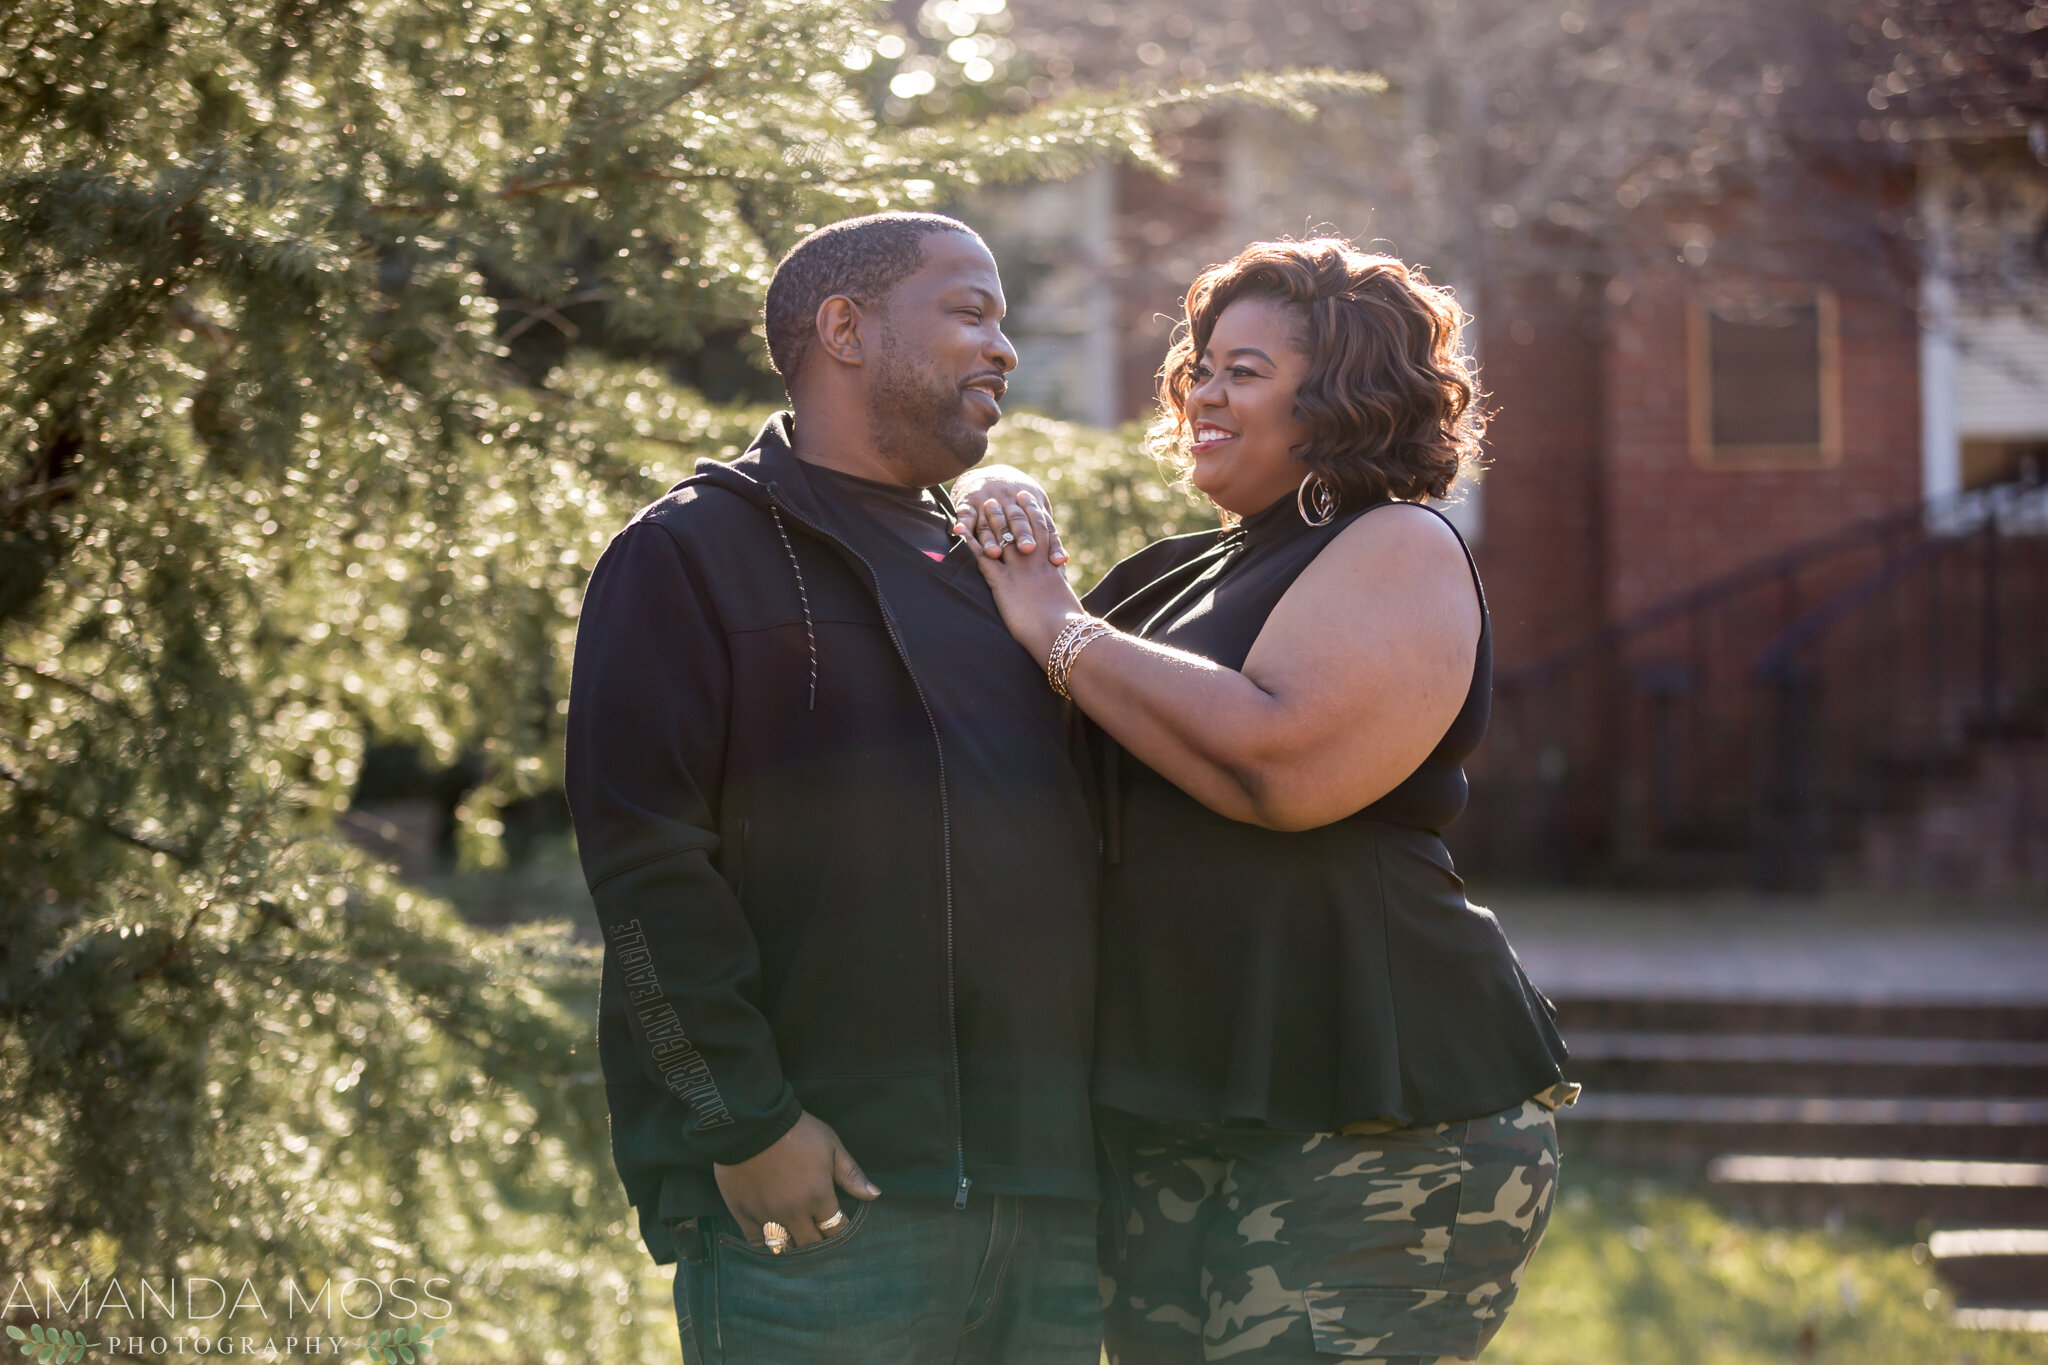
(1643, 1274)
(1110, 495)
(268, 484)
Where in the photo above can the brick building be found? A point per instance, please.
(1607, 488)
(1666, 424)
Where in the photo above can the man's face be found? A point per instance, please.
(937, 382)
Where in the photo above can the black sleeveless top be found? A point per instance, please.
(1299, 979)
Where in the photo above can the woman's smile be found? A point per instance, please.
(1242, 425)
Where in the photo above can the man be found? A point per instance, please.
(841, 857)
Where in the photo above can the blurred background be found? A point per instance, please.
(340, 338)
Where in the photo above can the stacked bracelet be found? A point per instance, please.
(1067, 647)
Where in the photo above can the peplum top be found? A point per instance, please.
(1302, 980)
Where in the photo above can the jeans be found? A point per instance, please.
(907, 1282)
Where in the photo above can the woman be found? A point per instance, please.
(1325, 1084)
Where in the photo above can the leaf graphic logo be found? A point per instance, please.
(394, 1345)
(49, 1346)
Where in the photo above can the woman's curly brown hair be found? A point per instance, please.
(1391, 409)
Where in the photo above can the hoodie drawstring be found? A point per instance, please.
(803, 598)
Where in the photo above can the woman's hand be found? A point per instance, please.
(1352, 681)
(999, 487)
(1031, 591)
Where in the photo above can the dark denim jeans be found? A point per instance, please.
(908, 1282)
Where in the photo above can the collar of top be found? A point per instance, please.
(1279, 520)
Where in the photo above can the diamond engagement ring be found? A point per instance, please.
(776, 1236)
(1009, 538)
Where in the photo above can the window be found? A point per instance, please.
(1763, 384)
(1990, 460)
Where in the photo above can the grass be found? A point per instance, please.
(545, 885)
(1636, 1272)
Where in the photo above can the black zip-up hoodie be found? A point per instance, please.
(839, 850)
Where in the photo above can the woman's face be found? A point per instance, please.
(1241, 407)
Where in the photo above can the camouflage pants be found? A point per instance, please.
(1385, 1242)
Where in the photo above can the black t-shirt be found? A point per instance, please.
(1023, 842)
(912, 513)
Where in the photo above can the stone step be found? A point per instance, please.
(1581, 1016)
(1900, 1190)
(1994, 1267)
(1688, 1130)
(1904, 1112)
(1807, 1049)
(2002, 1319)
(1957, 832)
(1832, 1082)
(1903, 1172)
(1903, 1076)
(1834, 1111)
(1689, 1147)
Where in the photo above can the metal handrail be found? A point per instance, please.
(1616, 753)
(1819, 776)
(1953, 514)
(1808, 627)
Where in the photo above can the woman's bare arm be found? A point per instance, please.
(1356, 676)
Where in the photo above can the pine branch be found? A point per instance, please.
(192, 320)
(252, 821)
(519, 191)
(29, 788)
(537, 313)
(1062, 138)
(41, 492)
(80, 687)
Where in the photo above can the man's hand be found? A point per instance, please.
(791, 1183)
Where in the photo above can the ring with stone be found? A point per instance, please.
(1009, 538)
(837, 1219)
(776, 1236)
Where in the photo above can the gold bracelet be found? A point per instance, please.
(1078, 637)
(1056, 658)
(1067, 647)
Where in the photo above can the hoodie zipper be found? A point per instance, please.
(962, 1183)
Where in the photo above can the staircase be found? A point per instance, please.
(1931, 1116)
(1980, 828)
(1867, 707)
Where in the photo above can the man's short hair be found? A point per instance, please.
(862, 258)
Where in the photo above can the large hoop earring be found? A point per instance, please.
(1317, 507)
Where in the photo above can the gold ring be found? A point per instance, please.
(776, 1236)
(837, 1218)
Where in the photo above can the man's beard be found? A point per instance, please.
(918, 422)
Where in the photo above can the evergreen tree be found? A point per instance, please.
(270, 482)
